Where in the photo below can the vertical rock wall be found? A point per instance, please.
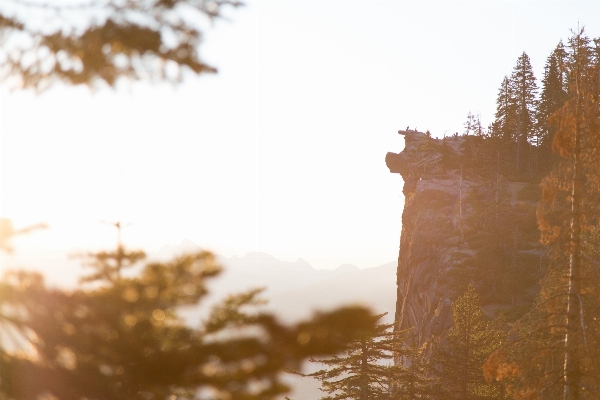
(451, 190)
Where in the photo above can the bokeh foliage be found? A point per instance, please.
(100, 41)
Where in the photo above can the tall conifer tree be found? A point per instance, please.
(361, 372)
(553, 94)
(525, 91)
(468, 344)
(506, 113)
(579, 127)
(555, 353)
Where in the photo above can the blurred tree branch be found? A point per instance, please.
(7, 231)
(125, 340)
(42, 43)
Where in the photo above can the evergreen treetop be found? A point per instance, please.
(525, 97)
(364, 370)
(459, 361)
(506, 114)
(553, 95)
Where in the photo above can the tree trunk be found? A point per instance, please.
(364, 381)
(571, 366)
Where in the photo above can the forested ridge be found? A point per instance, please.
(542, 342)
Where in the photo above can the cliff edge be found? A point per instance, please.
(467, 220)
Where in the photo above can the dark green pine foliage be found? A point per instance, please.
(525, 97)
(585, 59)
(505, 124)
(596, 52)
(525, 91)
(364, 371)
(459, 361)
(516, 111)
(552, 98)
(553, 94)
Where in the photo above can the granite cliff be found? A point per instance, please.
(468, 219)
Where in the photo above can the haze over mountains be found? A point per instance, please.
(295, 289)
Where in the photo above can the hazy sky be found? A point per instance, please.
(283, 150)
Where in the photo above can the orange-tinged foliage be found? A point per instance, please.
(534, 362)
(497, 368)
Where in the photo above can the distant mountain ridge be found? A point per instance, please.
(257, 269)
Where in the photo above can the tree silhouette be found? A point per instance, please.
(360, 373)
(506, 111)
(525, 97)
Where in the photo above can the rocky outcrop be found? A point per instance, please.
(463, 223)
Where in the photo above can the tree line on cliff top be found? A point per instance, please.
(552, 352)
(119, 337)
(522, 132)
(554, 138)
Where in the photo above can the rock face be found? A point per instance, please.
(463, 223)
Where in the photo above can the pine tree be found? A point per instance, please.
(123, 339)
(361, 372)
(459, 361)
(552, 98)
(578, 130)
(554, 352)
(553, 94)
(525, 97)
(469, 125)
(582, 60)
(596, 53)
(506, 122)
(516, 107)
(108, 265)
(473, 125)
(449, 157)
